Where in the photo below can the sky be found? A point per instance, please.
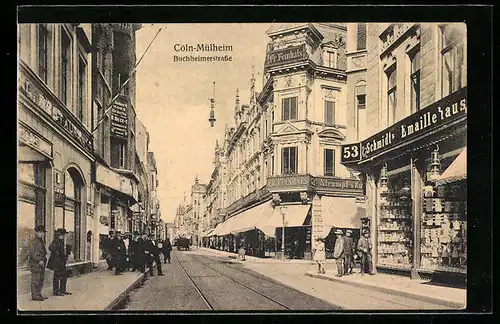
(172, 98)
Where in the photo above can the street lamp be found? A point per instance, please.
(282, 210)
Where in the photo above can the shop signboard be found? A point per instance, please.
(113, 180)
(53, 109)
(418, 124)
(119, 120)
(29, 138)
(308, 182)
(287, 55)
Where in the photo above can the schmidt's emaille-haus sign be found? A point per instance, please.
(423, 121)
(286, 55)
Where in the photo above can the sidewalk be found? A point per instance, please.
(400, 285)
(252, 259)
(97, 290)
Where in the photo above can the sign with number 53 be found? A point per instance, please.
(351, 153)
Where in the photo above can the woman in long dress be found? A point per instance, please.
(319, 254)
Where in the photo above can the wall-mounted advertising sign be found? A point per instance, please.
(423, 121)
(286, 55)
(119, 120)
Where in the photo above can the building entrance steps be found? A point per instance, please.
(399, 285)
(100, 290)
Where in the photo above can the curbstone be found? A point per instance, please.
(433, 300)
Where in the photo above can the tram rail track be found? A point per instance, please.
(230, 278)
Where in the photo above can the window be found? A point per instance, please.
(415, 81)
(331, 58)
(329, 162)
(118, 153)
(82, 68)
(272, 164)
(329, 111)
(289, 160)
(361, 101)
(453, 60)
(289, 108)
(152, 181)
(391, 95)
(43, 35)
(361, 37)
(65, 67)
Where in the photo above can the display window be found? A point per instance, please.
(443, 242)
(395, 229)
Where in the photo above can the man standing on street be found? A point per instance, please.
(141, 254)
(37, 257)
(108, 251)
(133, 251)
(156, 255)
(57, 262)
(348, 252)
(148, 251)
(365, 248)
(167, 249)
(338, 252)
(120, 252)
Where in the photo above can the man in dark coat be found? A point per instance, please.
(120, 253)
(155, 255)
(141, 255)
(57, 262)
(167, 249)
(148, 253)
(108, 252)
(37, 257)
(348, 252)
(133, 251)
(365, 248)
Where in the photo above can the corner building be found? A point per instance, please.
(55, 154)
(408, 115)
(283, 155)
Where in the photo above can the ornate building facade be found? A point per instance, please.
(281, 161)
(408, 116)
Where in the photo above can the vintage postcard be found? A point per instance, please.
(274, 166)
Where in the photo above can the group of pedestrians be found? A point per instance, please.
(345, 252)
(142, 251)
(37, 261)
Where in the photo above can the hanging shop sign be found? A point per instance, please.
(317, 219)
(119, 120)
(287, 55)
(51, 107)
(418, 124)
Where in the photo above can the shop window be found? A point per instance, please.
(453, 58)
(391, 95)
(43, 35)
(65, 66)
(415, 81)
(329, 111)
(443, 242)
(361, 37)
(289, 108)
(395, 223)
(329, 162)
(289, 160)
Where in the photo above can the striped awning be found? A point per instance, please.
(456, 171)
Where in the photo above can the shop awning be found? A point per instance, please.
(136, 208)
(456, 171)
(255, 217)
(341, 212)
(208, 233)
(295, 215)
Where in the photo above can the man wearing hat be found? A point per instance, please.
(37, 257)
(133, 251)
(120, 252)
(338, 252)
(57, 262)
(365, 248)
(107, 249)
(348, 252)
